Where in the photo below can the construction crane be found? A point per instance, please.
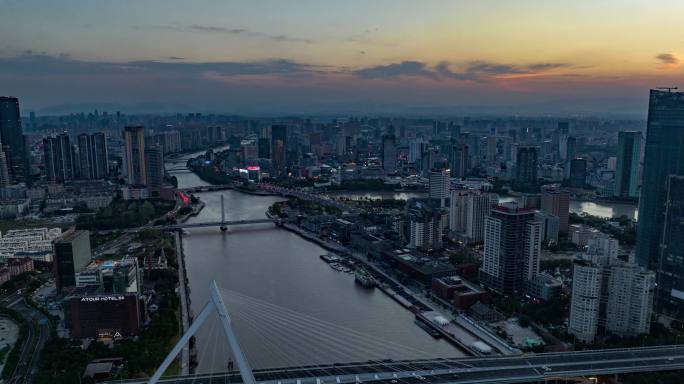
(669, 89)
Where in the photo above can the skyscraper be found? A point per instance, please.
(670, 295)
(92, 155)
(439, 185)
(416, 149)
(557, 203)
(527, 163)
(154, 161)
(578, 172)
(663, 156)
(12, 139)
(512, 244)
(278, 143)
(459, 161)
(627, 172)
(4, 170)
(264, 148)
(389, 153)
(59, 158)
(134, 155)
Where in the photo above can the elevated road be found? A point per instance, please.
(519, 369)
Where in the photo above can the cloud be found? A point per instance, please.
(199, 28)
(404, 68)
(668, 60)
(472, 71)
(43, 65)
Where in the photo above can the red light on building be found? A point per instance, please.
(183, 197)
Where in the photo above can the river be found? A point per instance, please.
(276, 266)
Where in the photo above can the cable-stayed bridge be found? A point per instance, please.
(292, 336)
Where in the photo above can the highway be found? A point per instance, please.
(38, 334)
(518, 369)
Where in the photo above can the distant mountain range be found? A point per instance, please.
(625, 108)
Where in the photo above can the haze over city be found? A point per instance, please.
(348, 192)
(304, 57)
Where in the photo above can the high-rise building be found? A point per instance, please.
(459, 161)
(512, 244)
(563, 131)
(585, 300)
(627, 168)
(663, 156)
(491, 148)
(389, 153)
(416, 149)
(557, 203)
(12, 139)
(154, 161)
(614, 297)
(92, 156)
(134, 155)
(468, 212)
(278, 149)
(438, 185)
(670, 295)
(59, 158)
(457, 210)
(425, 225)
(4, 170)
(71, 254)
(578, 173)
(264, 148)
(527, 163)
(549, 226)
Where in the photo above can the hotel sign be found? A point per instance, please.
(102, 298)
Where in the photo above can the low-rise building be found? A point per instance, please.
(34, 243)
(460, 293)
(13, 267)
(580, 234)
(544, 287)
(420, 267)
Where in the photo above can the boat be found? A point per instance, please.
(364, 279)
(427, 328)
(336, 266)
(330, 258)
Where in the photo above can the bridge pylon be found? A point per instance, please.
(223, 215)
(215, 304)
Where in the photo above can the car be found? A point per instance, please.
(670, 359)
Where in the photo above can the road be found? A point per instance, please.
(38, 334)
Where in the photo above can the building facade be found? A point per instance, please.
(663, 156)
(526, 166)
(71, 254)
(512, 245)
(670, 295)
(627, 166)
(134, 155)
(12, 139)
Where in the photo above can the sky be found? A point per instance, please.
(355, 56)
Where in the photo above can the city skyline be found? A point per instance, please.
(316, 57)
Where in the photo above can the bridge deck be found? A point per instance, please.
(518, 369)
